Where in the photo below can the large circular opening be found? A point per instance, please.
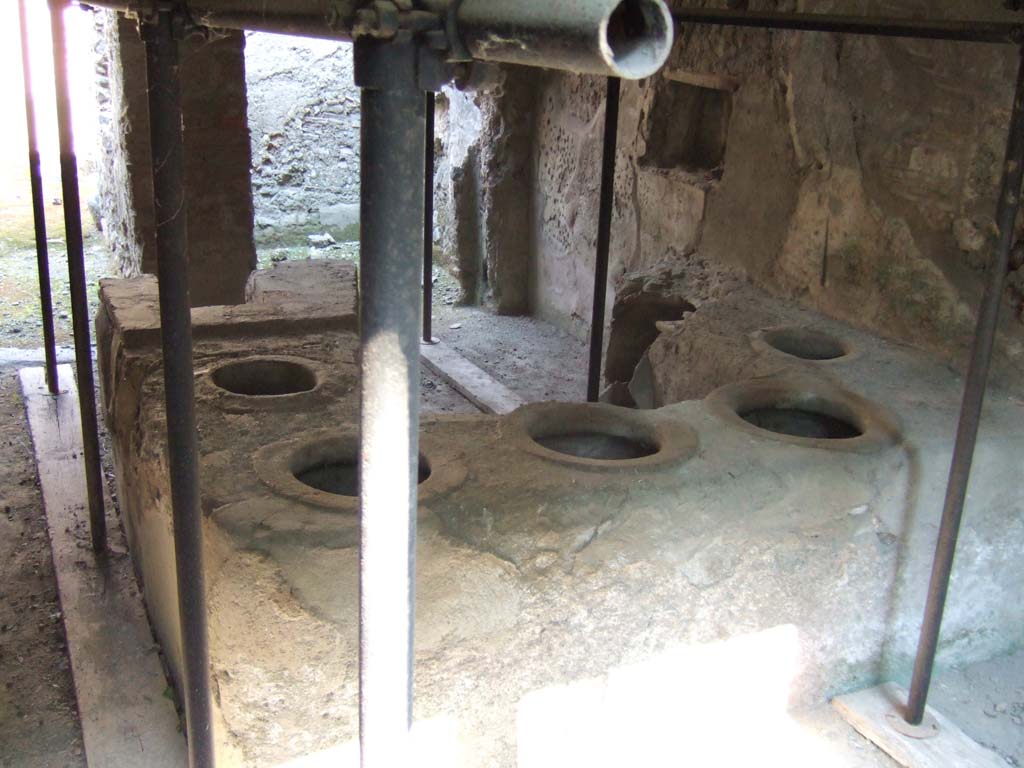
(805, 343)
(592, 435)
(801, 422)
(321, 468)
(264, 377)
(597, 445)
(638, 36)
(339, 476)
(805, 410)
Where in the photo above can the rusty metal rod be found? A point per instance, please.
(428, 224)
(962, 30)
(604, 234)
(38, 209)
(164, 91)
(77, 281)
(970, 414)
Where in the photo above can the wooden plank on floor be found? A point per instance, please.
(871, 711)
(127, 721)
(473, 383)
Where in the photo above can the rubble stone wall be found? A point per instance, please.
(304, 127)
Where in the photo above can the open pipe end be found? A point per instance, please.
(636, 38)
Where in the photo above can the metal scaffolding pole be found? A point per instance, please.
(76, 275)
(604, 234)
(428, 225)
(624, 38)
(391, 237)
(176, 332)
(38, 210)
(970, 414)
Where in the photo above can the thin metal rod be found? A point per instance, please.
(76, 275)
(604, 233)
(963, 30)
(428, 224)
(392, 184)
(38, 210)
(176, 332)
(970, 414)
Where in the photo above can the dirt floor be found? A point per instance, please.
(38, 715)
(533, 358)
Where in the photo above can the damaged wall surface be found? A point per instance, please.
(304, 125)
(483, 187)
(855, 175)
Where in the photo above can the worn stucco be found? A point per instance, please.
(855, 175)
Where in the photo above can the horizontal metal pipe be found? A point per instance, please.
(330, 19)
(962, 30)
(622, 38)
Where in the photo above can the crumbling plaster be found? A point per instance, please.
(860, 175)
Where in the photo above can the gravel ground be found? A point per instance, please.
(20, 323)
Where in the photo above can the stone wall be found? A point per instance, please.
(124, 175)
(484, 186)
(855, 175)
(217, 160)
(304, 124)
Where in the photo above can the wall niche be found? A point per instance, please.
(686, 129)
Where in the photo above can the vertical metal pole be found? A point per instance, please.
(38, 211)
(604, 232)
(392, 182)
(165, 127)
(970, 414)
(76, 275)
(428, 225)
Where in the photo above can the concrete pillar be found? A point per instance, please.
(217, 163)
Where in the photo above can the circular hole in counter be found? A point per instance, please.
(264, 377)
(600, 437)
(597, 445)
(805, 410)
(805, 343)
(321, 468)
(337, 474)
(801, 422)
